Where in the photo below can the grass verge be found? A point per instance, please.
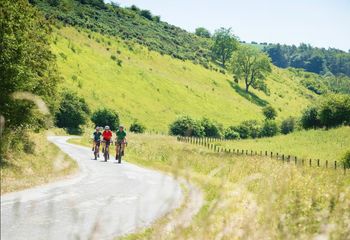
(44, 163)
(245, 197)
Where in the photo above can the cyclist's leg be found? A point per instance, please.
(123, 148)
(116, 149)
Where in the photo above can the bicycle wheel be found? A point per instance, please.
(120, 153)
(106, 154)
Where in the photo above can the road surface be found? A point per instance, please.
(103, 201)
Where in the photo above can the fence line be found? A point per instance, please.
(207, 143)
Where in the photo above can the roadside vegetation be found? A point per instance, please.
(33, 161)
(246, 197)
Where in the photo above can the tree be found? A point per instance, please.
(146, 14)
(106, 117)
(186, 126)
(250, 64)
(310, 118)
(26, 63)
(288, 125)
(269, 129)
(224, 45)
(211, 129)
(276, 54)
(269, 112)
(202, 32)
(72, 112)
(334, 110)
(137, 127)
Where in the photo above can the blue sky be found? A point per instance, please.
(322, 23)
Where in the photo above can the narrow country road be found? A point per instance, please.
(103, 201)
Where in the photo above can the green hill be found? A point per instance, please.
(156, 88)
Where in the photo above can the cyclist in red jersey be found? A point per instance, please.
(107, 136)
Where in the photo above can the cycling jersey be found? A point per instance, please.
(107, 135)
(97, 136)
(121, 135)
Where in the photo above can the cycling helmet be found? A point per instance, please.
(106, 127)
(97, 128)
(121, 126)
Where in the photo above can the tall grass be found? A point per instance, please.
(247, 198)
(40, 164)
(321, 144)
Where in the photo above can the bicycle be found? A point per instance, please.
(120, 153)
(97, 149)
(106, 150)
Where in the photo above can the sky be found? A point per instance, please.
(321, 23)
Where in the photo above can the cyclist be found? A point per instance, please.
(96, 137)
(96, 140)
(107, 136)
(121, 138)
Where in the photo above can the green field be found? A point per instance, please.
(328, 145)
(155, 88)
(246, 198)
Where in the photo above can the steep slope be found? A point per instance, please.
(153, 88)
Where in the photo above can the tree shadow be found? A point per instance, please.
(249, 96)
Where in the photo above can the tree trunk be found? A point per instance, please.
(246, 88)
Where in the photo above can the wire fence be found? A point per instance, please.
(208, 143)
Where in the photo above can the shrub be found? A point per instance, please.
(309, 118)
(146, 14)
(113, 57)
(346, 159)
(288, 125)
(334, 110)
(269, 112)
(106, 117)
(211, 129)
(186, 126)
(269, 129)
(247, 129)
(230, 133)
(137, 127)
(72, 112)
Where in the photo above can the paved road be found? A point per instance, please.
(103, 201)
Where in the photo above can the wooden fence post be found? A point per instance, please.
(271, 154)
(296, 160)
(335, 164)
(326, 163)
(318, 162)
(310, 162)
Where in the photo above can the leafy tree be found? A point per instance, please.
(146, 14)
(72, 112)
(269, 112)
(106, 117)
(288, 125)
(269, 129)
(211, 129)
(346, 159)
(230, 133)
(250, 64)
(334, 110)
(277, 56)
(310, 118)
(224, 45)
(202, 32)
(26, 63)
(137, 127)
(186, 126)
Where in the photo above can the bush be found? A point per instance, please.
(269, 129)
(137, 127)
(334, 110)
(146, 14)
(269, 112)
(346, 159)
(310, 119)
(288, 125)
(106, 117)
(72, 112)
(186, 126)
(211, 129)
(248, 129)
(230, 133)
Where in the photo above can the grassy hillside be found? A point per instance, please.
(245, 197)
(155, 89)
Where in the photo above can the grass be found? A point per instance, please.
(45, 164)
(245, 197)
(328, 145)
(155, 89)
